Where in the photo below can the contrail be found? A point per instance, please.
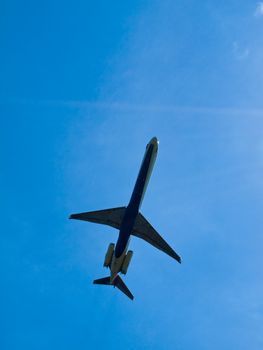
(134, 107)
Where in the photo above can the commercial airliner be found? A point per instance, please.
(130, 222)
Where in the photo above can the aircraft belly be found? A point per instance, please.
(148, 175)
(117, 262)
(125, 230)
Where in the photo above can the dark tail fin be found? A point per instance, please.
(105, 280)
(118, 282)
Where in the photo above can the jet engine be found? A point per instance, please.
(126, 262)
(109, 254)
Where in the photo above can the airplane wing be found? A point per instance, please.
(111, 217)
(143, 229)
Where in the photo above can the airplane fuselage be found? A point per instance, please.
(129, 221)
(133, 207)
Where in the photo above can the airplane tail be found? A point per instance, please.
(118, 282)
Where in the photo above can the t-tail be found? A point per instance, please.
(118, 282)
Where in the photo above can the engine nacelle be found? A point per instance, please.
(126, 262)
(109, 254)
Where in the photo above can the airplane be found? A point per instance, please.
(130, 222)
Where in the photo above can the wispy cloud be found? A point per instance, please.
(136, 107)
(241, 53)
(259, 10)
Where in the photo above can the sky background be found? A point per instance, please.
(83, 87)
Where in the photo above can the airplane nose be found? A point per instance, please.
(154, 141)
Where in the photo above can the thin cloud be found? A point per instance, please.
(135, 107)
(259, 10)
(239, 52)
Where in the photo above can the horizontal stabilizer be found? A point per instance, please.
(118, 282)
(143, 229)
(111, 217)
(105, 280)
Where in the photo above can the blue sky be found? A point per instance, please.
(83, 88)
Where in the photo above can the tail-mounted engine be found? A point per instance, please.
(126, 262)
(109, 254)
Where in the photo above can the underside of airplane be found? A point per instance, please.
(130, 222)
(141, 229)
